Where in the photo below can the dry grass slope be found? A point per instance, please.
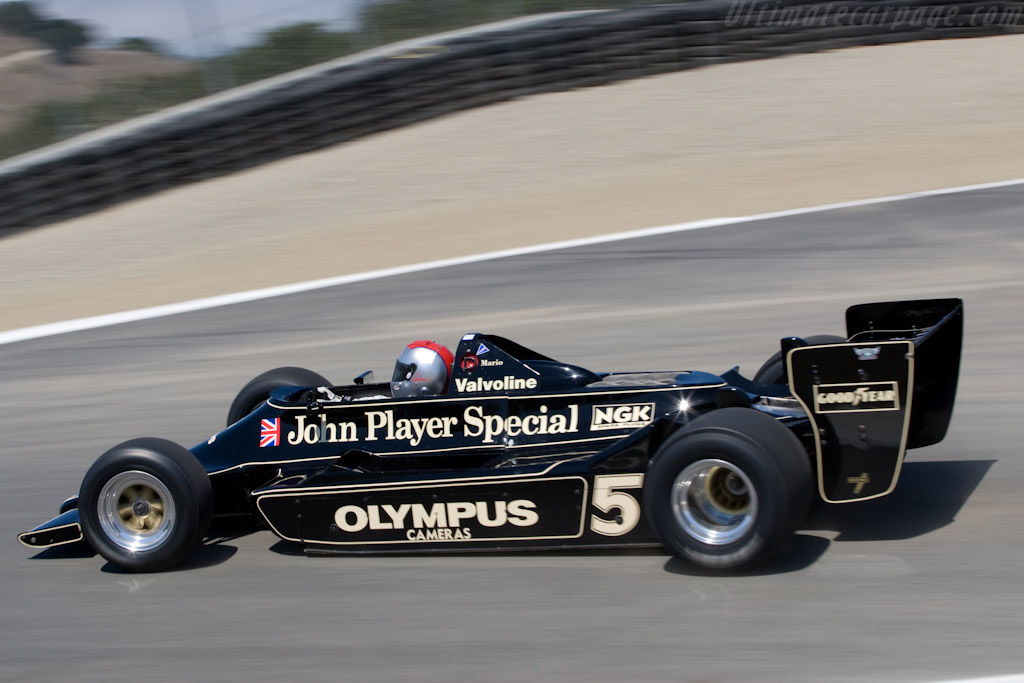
(29, 76)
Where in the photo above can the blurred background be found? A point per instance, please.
(69, 66)
(178, 149)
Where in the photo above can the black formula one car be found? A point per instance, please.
(525, 452)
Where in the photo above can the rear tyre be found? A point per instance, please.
(145, 504)
(258, 390)
(773, 372)
(726, 490)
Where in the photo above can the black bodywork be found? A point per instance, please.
(527, 452)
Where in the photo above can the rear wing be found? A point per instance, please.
(936, 327)
(889, 387)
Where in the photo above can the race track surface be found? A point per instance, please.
(921, 586)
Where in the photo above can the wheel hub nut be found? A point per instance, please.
(140, 508)
(734, 485)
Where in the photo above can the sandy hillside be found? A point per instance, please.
(721, 141)
(29, 74)
(12, 44)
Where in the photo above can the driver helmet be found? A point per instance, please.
(422, 370)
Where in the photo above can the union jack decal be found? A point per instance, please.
(270, 432)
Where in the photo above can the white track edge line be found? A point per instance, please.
(1009, 678)
(80, 324)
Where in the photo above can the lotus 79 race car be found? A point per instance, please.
(518, 451)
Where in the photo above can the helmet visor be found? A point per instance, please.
(403, 371)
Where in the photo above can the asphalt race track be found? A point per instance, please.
(924, 585)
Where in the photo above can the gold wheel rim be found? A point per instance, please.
(140, 508)
(727, 491)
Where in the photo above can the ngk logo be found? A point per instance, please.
(627, 416)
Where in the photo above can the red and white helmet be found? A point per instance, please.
(422, 370)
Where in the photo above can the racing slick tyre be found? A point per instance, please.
(729, 488)
(258, 390)
(772, 371)
(145, 504)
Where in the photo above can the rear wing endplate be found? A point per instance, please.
(889, 387)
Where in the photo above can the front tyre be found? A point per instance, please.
(728, 489)
(145, 504)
